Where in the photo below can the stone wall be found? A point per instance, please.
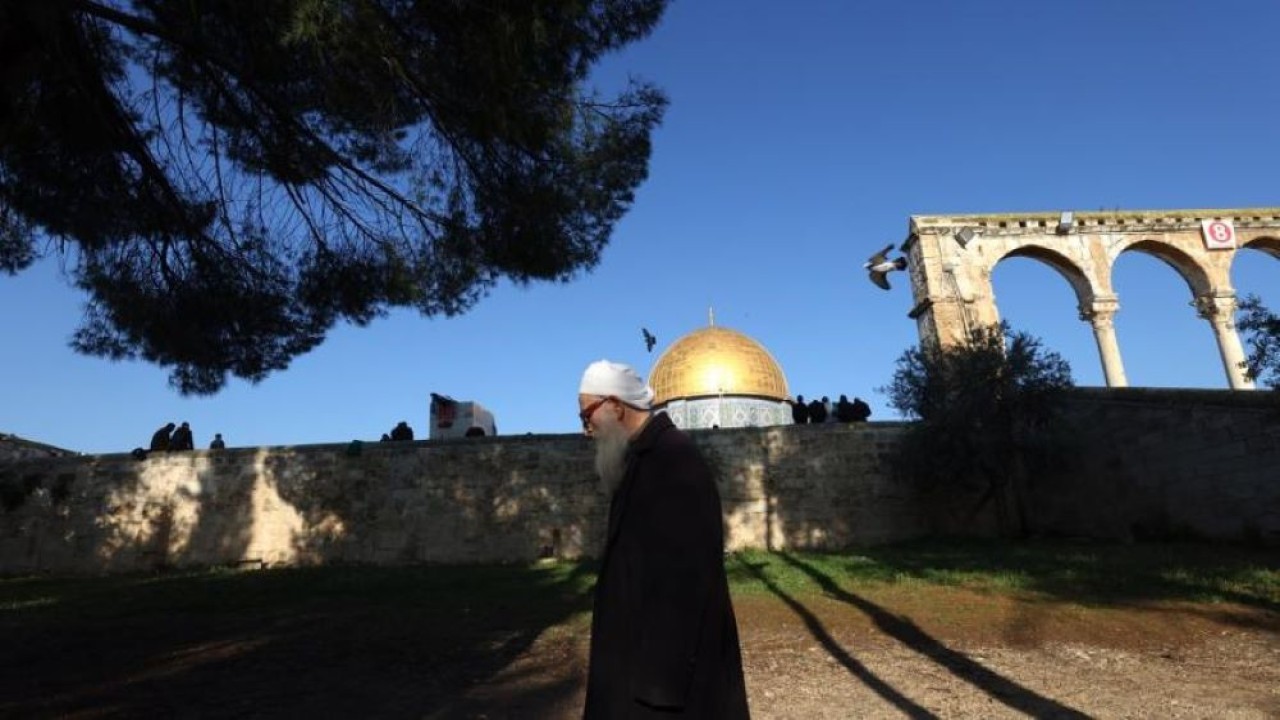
(442, 501)
(1152, 463)
(485, 499)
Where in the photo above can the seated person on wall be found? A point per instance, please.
(218, 443)
(402, 431)
(182, 439)
(817, 412)
(844, 410)
(160, 439)
(861, 410)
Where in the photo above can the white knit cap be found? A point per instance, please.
(605, 378)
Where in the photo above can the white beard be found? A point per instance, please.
(611, 458)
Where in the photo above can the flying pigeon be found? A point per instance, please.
(879, 266)
(649, 339)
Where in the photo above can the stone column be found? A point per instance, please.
(1101, 315)
(1220, 311)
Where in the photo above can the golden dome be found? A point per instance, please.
(716, 361)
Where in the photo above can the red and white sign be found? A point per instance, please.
(1218, 234)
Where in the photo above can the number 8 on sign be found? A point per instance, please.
(1218, 234)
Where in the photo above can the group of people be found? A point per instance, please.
(178, 437)
(822, 411)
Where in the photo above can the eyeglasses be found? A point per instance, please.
(591, 409)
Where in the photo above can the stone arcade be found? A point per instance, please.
(952, 257)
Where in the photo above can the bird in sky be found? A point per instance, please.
(649, 339)
(879, 266)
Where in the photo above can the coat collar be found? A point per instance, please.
(648, 437)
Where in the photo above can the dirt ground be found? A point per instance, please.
(977, 657)
(894, 652)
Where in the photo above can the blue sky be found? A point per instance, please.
(800, 138)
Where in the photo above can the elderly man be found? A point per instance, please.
(664, 641)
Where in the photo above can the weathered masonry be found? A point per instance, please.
(1150, 463)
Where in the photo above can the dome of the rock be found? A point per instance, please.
(719, 377)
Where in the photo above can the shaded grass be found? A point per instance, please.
(1083, 573)
(338, 641)
(517, 589)
(1090, 574)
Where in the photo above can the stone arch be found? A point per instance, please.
(951, 259)
(1199, 279)
(1269, 244)
(1204, 277)
(1070, 271)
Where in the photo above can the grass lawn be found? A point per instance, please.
(1090, 574)
(374, 641)
(1083, 573)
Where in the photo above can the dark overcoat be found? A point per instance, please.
(664, 641)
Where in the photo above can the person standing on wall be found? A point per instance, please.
(664, 639)
(799, 411)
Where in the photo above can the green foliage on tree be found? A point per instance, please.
(230, 179)
(1262, 335)
(986, 413)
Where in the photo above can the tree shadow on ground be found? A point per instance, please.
(996, 686)
(850, 663)
(352, 641)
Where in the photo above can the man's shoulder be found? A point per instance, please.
(676, 448)
(671, 436)
(663, 441)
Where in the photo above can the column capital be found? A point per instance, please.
(1101, 312)
(1218, 309)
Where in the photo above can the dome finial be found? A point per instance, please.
(711, 316)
